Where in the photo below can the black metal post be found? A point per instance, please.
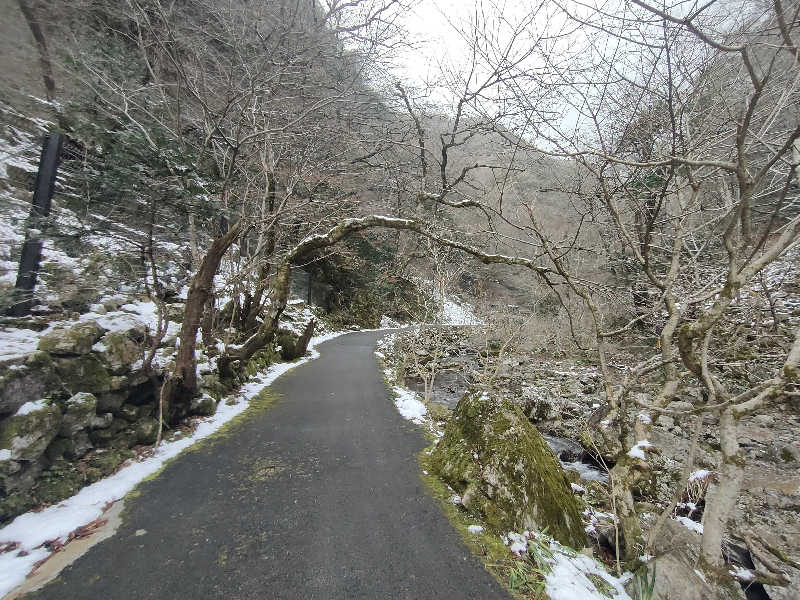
(37, 223)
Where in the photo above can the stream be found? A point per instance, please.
(571, 456)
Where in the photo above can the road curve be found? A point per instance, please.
(318, 497)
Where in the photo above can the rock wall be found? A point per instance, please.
(73, 410)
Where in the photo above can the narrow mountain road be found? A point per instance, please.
(318, 497)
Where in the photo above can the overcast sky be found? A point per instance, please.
(434, 36)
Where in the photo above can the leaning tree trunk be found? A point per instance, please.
(723, 494)
(280, 289)
(182, 385)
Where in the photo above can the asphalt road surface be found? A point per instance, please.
(318, 497)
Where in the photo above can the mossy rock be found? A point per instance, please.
(27, 435)
(146, 430)
(210, 384)
(58, 448)
(116, 434)
(129, 412)
(175, 312)
(34, 379)
(110, 402)
(287, 340)
(102, 421)
(105, 463)
(15, 505)
(80, 408)
(203, 405)
(85, 374)
(74, 340)
(438, 412)
(505, 471)
(60, 481)
(119, 351)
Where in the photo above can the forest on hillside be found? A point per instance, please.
(612, 189)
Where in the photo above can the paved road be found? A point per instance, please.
(318, 497)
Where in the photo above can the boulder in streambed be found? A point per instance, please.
(504, 470)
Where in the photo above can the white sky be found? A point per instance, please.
(433, 35)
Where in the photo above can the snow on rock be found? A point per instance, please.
(32, 529)
(742, 574)
(16, 343)
(699, 475)
(638, 450)
(689, 524)
(408, 405)
(30, 407)
(475, 529)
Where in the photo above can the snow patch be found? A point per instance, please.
(700, 575)
(475, 529)
(30, 407)
(689, 524)
(408, 405)
(568, 578)
(15, 343)
(516, 542)
(699, 475)
(458, 314)
(638, 450)
(742, 574)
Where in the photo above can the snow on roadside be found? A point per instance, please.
(567, 573)
(56, 522)
(406, 401)
(408, 406)
(568, 578)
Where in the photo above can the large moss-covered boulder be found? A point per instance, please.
(28, 382)
(71, 340)
(26, 435)
(119, 351)
(78, 415)
(505, 471)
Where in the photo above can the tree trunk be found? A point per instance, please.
(207, 327)
(255, 305)
(722, 496)
(183, 383)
